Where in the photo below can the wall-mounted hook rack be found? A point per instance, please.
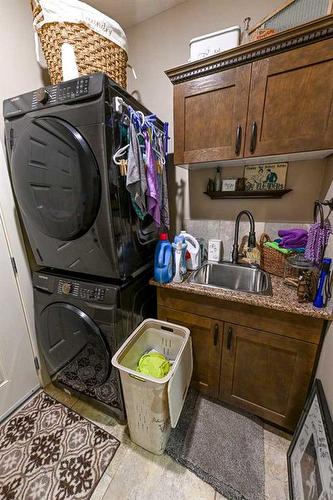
(318, 206)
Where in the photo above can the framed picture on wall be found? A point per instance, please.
(310, 455)
(269, 177)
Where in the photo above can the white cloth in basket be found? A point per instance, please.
(74, 11)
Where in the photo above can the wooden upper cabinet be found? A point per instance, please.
(266, 374)
(290, 105)
(268, 97)
(210, 116)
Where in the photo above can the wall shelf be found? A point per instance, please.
(237, 195)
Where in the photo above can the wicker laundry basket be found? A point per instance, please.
(271, 260)
(94, 53)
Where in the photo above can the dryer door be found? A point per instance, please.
(56, 178)
(73, 347)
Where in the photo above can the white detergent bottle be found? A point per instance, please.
(193, 256)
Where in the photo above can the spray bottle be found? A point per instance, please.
(323, 293)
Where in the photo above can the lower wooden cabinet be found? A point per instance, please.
(266, 374)
(206, 337)
(258, 360)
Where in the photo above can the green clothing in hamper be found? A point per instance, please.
(154, 364)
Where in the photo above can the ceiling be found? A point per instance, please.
(131, 12)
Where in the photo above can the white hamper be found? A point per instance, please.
(154, 405)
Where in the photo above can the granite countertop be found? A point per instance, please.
(284, 298)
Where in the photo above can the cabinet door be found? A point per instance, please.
(290, 106)
(266, 374)
(210, 116)
(206, 337)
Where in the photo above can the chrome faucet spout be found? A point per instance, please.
(251, 238)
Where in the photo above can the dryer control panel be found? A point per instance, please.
(52, 95)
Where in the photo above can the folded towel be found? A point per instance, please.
(275, 246)
(293, 243)
(293, 238)
(297, 250)
(296, 232)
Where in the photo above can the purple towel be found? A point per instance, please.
(152, 191)
(293, 238)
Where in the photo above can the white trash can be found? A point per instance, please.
(153, 405)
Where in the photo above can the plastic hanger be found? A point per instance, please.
(118, 154)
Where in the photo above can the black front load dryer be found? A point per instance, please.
(79, 326)
(74, 204)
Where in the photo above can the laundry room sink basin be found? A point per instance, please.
(230, 276)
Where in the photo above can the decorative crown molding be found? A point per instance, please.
(317, 30)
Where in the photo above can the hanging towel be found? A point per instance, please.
(165, 215)
(318, 238)
(152, 191)
(136, 182)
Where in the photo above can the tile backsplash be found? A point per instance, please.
(224, 230)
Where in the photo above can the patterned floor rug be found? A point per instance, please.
(48, 451)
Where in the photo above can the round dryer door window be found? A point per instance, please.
(56, 178)
(73, 347)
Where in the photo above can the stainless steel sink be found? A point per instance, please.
(233, 277)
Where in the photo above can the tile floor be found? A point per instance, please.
(135, 474)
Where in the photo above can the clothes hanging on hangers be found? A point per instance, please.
(165, 216)
(136, 182)
(143, 162)
(153, 206)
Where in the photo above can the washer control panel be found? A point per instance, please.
(83, 291)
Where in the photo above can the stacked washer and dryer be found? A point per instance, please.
(96, 254)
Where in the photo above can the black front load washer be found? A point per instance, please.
(79, 326)
(74, 204)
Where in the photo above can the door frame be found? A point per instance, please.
(17, 251)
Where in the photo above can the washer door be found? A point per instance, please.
(56, 178)
(73, 347)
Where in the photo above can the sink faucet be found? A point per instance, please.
(252, 234)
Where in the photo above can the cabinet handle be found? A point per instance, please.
(253, 137)
(216, 334)
(229, 340)
(238, 140)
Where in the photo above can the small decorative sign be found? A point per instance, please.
(229, 184)
(269, 177)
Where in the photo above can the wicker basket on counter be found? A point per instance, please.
(271, 261)
(94, 53)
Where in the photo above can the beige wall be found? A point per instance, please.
(162, 42)
(306, 178)
(19, 70)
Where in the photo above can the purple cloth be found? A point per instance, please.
(317, 241)
(293, 238)
(153, 205)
